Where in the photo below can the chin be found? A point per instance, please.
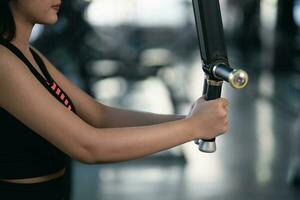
(49, 21)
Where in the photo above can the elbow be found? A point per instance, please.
(85, 156)
(89, 159)
(90, 154)
(96, 156)
(93, 151)
(84, 153)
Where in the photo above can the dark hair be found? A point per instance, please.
(7, 22)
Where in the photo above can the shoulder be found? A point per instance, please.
(6, 56)
(8, 61)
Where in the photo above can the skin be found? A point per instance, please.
(100, 133)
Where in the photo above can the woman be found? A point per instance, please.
(45, 117)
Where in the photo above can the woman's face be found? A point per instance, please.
(36, 11)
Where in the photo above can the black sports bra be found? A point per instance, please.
(23, 153)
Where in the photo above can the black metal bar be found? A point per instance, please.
(210, 31)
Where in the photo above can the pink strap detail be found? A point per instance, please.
(66, 102)
(53, 86)
(62, 96)
(58, 91)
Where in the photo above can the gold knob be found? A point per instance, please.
(238, 79)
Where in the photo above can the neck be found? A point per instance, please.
(23, 32)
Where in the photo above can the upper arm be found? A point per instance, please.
(90, 110)
(23, 96)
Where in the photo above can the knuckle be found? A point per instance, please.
(220, 103)
(222, 113)
(224, 103)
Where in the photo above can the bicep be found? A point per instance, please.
(90, 110)
(23, 96)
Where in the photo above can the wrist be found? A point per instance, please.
(187, 127)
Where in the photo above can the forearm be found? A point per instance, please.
(119, 144)
(116, 117)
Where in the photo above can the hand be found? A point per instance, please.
(208, 119)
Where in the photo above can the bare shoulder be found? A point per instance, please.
(9, 64)
(6, 57)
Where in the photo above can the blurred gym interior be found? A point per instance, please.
(144, 55)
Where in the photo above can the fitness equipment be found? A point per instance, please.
(214, 58)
